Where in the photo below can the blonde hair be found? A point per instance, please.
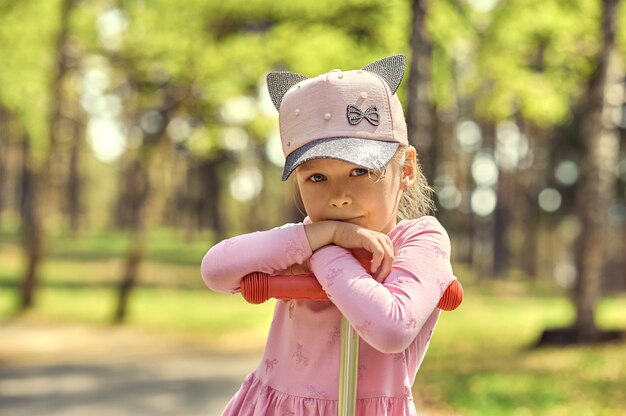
(416, 200)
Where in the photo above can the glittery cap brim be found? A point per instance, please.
(366, 153)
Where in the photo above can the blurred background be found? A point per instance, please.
(136, 134)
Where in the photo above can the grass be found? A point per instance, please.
(480, 361)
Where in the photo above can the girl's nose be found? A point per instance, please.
(340, 200)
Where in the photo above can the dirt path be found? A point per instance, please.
(72, 370)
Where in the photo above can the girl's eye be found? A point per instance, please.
(317, 177)
(359, 172)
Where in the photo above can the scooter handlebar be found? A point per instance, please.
(259, 287)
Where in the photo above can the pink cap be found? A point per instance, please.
(354, 116)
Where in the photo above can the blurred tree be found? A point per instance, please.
(4, 147)
(527, 62)
(596, 192)
(35, 232)
(141, 190)
(154, 97)
(74, 128)
(421, 106)
(33, 70)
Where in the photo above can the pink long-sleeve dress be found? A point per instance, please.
(298, 374)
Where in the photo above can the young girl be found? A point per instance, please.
(345, 142)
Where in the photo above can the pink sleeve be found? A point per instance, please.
(269, 251)
(388, 316)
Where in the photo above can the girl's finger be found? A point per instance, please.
(385, 268)
(386, 245)
(378, 254)
(387, 261)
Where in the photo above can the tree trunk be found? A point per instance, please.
(527, 212)
(177, 213)
(4, 145)
(134, 258)
(74, 179)
(144, 201)
(138, 194)
(491, 237)
(596, 191)
(210, 196)
(39, 188)
(32, 238)
(530, 221)
(501, 222)
(420, 107)
(137, 249)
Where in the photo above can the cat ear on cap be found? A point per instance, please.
(278, 83)
(391, 69)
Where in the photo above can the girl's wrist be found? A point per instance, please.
(320, 234)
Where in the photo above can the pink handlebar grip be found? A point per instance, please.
(259, 287)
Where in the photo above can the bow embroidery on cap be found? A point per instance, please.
(355, 115)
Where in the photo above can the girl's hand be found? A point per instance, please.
(355, 237)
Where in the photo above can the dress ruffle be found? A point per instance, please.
(254, 398)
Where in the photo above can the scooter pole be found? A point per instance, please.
(348, 369)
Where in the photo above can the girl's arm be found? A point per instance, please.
(347, 235)
(269, 251)
(389, 316)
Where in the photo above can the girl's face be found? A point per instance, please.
(337, 190)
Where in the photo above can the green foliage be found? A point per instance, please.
(534, 58)
(452, 35)
(27, 33)
(220, 50)
(529, 57)
(227, 47)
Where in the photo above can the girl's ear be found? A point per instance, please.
(409, 169)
